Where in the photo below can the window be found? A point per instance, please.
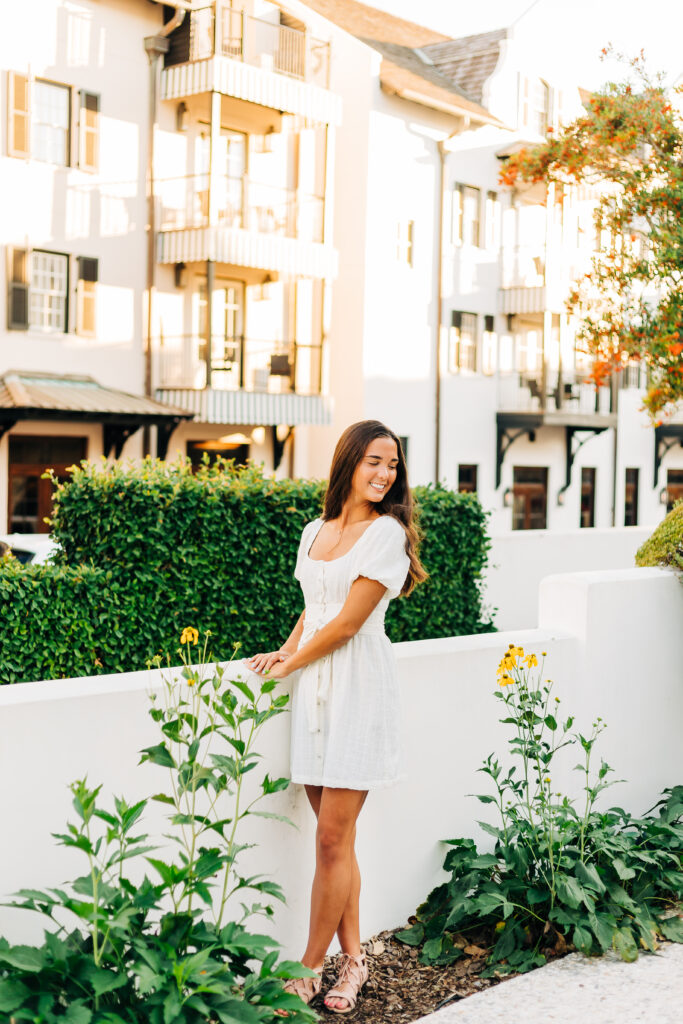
(488, 346)
(492, 222)
(467, 478)
(529, 498)
(30, 496)
(50, 117)
(463, 342)
(587, 517)
(48, 291)
(465, 215)
(674, 487)
(38, 289)
(39, 122)
(535, 104)
(404, 445)
(404, 242)
(86, 295)
(631, 497)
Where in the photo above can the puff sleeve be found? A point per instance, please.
(304, 546)
(381, 555)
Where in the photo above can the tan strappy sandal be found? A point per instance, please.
(305, 988)
(353, 974)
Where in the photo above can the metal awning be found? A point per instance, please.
(27, 395)
(211, 405)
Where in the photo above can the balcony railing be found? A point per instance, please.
(552, 392)
(239, 203)
(219, 30)
(523, 266)
(238, 363)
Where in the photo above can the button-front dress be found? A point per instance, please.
(345, 707)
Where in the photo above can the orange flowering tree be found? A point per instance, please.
(629, 143)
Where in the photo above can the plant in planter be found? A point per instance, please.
(165, 949)
(560, 876)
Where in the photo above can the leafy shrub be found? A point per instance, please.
(164, 950)
(146, 548)
(665, 546)
(558, 876)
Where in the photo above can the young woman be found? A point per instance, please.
(345, 712)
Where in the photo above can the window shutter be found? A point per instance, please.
(18, 115)
(86, 295)
(17, 289)
(488, 324)
(89, 131)
(456, 319)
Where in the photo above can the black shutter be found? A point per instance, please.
(88, 268)
(17, 290)
(456, 319)
(89, 131)
(489, 324)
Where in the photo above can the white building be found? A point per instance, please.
(509, 412)
(245, 225)
(166, 220)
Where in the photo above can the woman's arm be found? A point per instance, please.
(364, 596)
(263, 662)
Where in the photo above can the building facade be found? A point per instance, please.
(166, 223)
(467, 348)
(235, 228)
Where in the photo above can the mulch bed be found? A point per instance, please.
(402, 990)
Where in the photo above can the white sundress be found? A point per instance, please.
(345, 706)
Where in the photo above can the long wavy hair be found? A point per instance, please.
(397, 502)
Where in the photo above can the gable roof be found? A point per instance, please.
(468, 62)
(370, 24)
(407, 69)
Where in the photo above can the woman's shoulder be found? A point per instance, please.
(310, 527)
(389, 527)
(391, 524)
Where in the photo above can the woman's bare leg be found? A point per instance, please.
(348, 931)
(336, 880)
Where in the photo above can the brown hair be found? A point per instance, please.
(397, 502)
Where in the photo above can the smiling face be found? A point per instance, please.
(376, 471)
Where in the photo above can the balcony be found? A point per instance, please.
(560, 397)
(217, 48)
(246, 381)
(245, 223)
(550, 397)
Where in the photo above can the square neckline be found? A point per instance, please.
(327, 561)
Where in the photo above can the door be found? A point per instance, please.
(30, 497)
(530, 498)
(230, 164)
(227, 331)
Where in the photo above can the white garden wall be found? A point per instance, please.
(519, 561)
(615, 648)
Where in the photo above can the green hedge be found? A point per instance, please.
(149, 549)
(665, 546)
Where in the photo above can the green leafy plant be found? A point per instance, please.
(123, 947)
(146, 548)
(559, 876)
(665, 546)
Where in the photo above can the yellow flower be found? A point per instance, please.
(191, 680)
(506, 680)
(547, 778)
(531, 660)
(518, 650)
(189, 635)
(500, 926)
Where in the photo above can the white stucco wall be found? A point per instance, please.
(519, 561)
(614, 648)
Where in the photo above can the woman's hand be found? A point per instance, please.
(263, 663)
(280, 670)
